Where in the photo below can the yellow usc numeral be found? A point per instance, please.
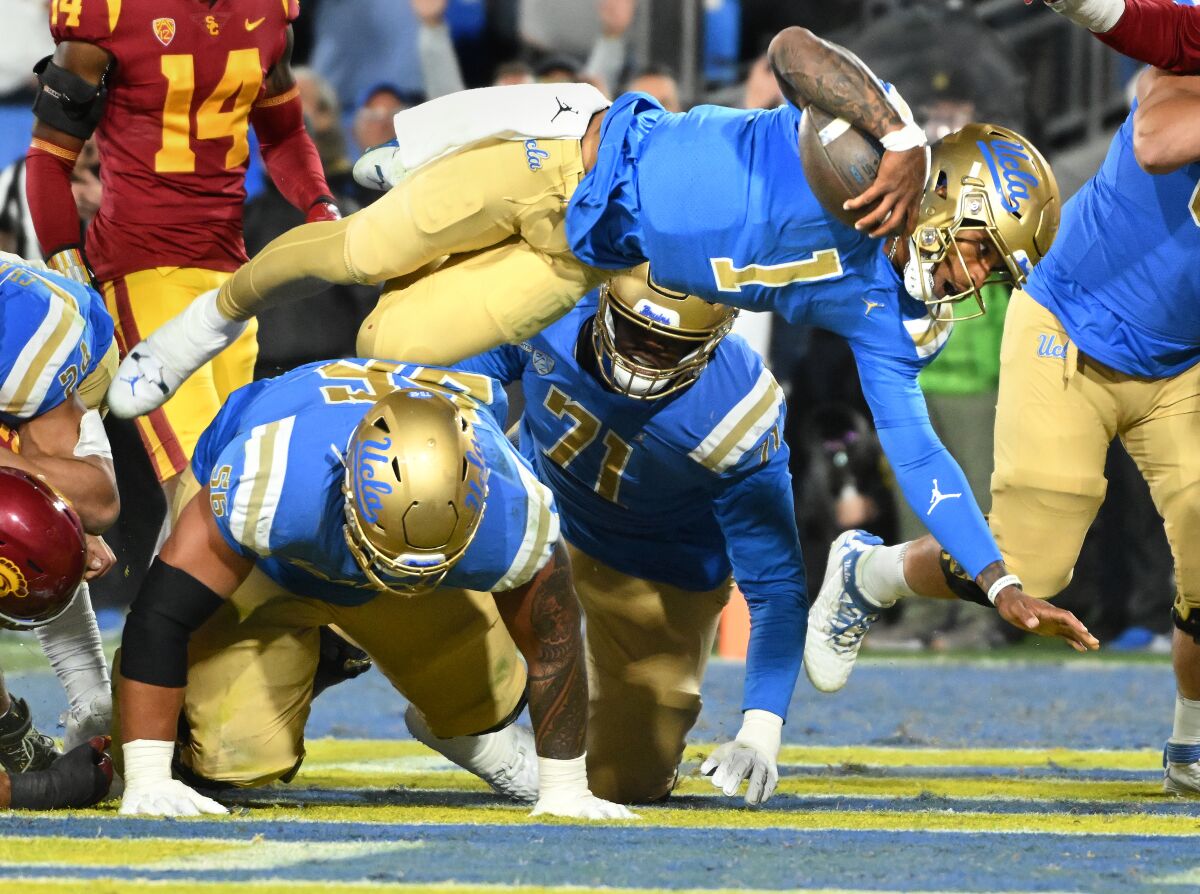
(824, 263)
(69, 8)
(240, 83)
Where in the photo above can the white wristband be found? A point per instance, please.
(567, 777)
(910, 136)
(762, 730)
(1009, 580)
(1096, 15)
(147, 760)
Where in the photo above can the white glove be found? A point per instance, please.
(149, 788)
(563, 791)
(154, 368)
(751, 755)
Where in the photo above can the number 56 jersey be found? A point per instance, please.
(173, 139)
(272, 460)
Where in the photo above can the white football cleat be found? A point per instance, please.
(379, 167)
(1181, 770)
(93, 719)
(154, 369)
(505, 760)
(840, 618)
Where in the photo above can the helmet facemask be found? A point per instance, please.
(414, 491)
(988, 179)
(691, 327)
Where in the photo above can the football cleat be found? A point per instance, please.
(154, 368)
(379, 167)
(1181, 770)
(85, 723)
(841, 616)
(22, 748)
(505, 760)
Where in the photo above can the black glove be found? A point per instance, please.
(80, 778)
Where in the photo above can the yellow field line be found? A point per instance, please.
(321, 751)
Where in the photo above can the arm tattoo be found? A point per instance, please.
(558, 693)
(811, 70)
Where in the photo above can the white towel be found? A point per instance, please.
(518, 112)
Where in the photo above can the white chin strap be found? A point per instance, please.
(914, 272)
(632, 383)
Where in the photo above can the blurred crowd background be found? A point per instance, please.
(360, 61)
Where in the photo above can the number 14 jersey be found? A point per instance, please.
(173, 139)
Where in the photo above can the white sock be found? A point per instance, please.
(881, 575)
(72, 644)
(1187, 721)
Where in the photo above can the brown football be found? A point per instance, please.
(839, 161)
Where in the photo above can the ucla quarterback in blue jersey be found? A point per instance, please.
(1103, 342)
(56, 360)
(660, 437)
(384, 499)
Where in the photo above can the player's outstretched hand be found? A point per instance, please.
(895, 196)
(586, 806)
(735, 761)
(1039, 616)
(165, 797)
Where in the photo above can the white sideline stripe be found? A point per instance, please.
(271, 855)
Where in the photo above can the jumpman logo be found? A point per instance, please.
(871, 305)
(562, 107)
(937, 496)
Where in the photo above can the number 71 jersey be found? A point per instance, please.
(174, 136)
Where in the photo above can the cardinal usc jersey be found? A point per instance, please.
(173, 140)
(685, 490)
(272, 460)
(53, 333)
(1123, 276)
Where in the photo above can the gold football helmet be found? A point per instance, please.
(983, 177)
(415, 490)
(665, 340)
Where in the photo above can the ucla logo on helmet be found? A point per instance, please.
(369, 489)
(662, 315)
(1011, 167)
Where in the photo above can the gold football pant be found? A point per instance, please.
(647, 648)
(251, 666)
(502, 208)
(139, 304)
(1057, 412)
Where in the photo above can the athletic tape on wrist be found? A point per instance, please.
(910, 136)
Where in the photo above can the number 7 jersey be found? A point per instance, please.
(174, 136)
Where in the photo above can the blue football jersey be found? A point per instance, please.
(715, 199)
(1123, 276)
(53, 333)
(272, 459)
(684, 490)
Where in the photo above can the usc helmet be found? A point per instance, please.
(42, 551)
(691, 326)
(984, 177)
(415, 490)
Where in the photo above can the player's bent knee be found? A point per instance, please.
(1040, 532)
(247, 763)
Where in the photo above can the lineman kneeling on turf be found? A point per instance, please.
(381, 498)
(661, 440)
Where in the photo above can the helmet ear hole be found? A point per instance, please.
(396, 468)
(382, 425)
(942, 187)
(465, 469)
